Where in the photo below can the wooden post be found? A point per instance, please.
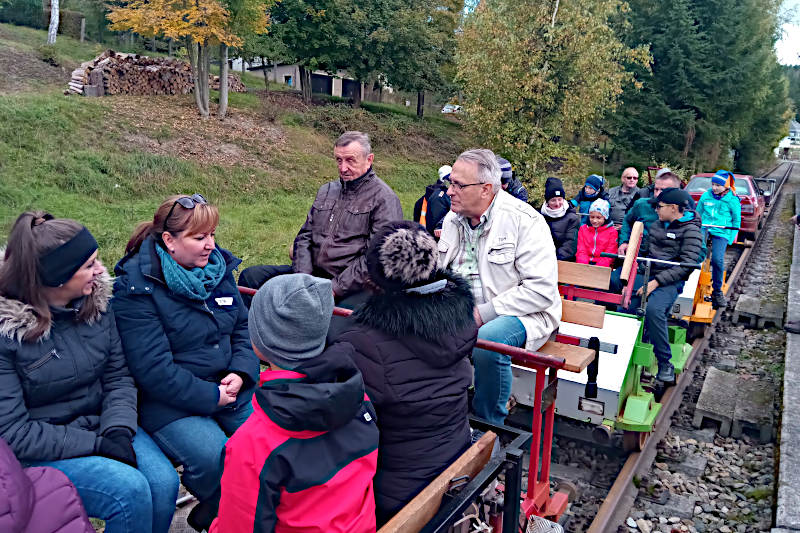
(83, 29)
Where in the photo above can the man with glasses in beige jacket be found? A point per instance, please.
(503, 248)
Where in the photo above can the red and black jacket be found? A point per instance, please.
(305, 459)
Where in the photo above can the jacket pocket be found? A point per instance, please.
(502, 253)
(52, 354)
(355, 222)
(50, 367)
(321, 215)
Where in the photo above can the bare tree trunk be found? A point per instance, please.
(153, 43)
(169, 47)
(53, 28)
(223, 81)
(205, 71)
(305, 84)
(420, 103)
(264, 70)
(244, 69)
(195, 60)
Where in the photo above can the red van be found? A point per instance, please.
(753, 203)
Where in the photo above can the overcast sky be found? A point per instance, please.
(788, 47)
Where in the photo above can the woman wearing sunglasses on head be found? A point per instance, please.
(67, 399)
(184, 330)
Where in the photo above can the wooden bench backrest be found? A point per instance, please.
(419, 511)
(589, 276)
(583, 313)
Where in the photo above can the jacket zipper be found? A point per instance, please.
(42, 360)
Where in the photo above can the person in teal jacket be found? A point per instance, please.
(719, 206)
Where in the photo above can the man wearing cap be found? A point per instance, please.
(675, 237)
(642, 211)
(510, 184)
(343, 217)
(620, 196)
(431, 208)
(502, 247)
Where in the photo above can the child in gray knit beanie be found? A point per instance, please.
(289, 319)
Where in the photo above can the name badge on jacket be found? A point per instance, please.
(670, 235)
(225, 300)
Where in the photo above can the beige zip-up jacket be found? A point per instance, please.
(517, 265)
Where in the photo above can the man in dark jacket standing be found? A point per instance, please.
(432, 207)
(674, 237)
(343, 217)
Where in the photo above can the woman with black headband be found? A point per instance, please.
(184, 330)
(67, 399)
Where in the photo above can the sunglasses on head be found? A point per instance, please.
(187, 202)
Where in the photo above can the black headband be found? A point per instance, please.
(57, 266)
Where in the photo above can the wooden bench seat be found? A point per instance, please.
(576, 358)
(419, 511)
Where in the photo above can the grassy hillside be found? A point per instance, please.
(109, 162)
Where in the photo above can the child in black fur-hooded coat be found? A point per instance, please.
(412, 342)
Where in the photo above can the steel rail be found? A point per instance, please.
(620, 499)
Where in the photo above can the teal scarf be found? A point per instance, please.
(197, 283)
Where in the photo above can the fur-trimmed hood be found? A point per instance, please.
(425, 323)
(17, 318)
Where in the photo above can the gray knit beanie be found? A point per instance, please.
(289, 318)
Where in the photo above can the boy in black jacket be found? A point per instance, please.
(674, 237)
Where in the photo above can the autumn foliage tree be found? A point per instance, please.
(537, 73)
(201, 24)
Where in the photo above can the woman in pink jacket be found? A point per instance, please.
(597, 237)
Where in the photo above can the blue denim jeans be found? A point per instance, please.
(718, 247)
(493, 370)
(659, 309)
(130, 500)
(196, 442)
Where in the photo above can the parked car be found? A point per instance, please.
(750, 196)
(451, 108)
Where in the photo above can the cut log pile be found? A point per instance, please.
(117, 73)
(235, 85)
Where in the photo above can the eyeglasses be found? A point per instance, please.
(660, 206)
(187, 202)
(462, 186)
(630, 177)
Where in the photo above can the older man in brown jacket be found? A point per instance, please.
(345, 214)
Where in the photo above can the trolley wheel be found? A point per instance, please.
(634, 441)
(567, 488)
(696, 330)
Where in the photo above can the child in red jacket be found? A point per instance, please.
(305, 459)
(597, 237)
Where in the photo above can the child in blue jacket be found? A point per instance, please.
(719, 206)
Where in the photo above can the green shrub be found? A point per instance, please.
(47, 53)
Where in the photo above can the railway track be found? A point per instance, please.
(619, 500)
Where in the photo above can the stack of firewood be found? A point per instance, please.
(116, 73)
(235, 85)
